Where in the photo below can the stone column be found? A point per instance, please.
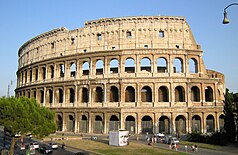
(189, 120)
(204, 123)
(173, 125)
(138, 130)
(76, 123)
(105, 123)
(105, 93)
(89, 122)
(75, 95)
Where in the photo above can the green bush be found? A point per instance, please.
(217, 138)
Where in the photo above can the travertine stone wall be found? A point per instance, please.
(108, 75)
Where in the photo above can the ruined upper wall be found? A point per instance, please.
(157, 32)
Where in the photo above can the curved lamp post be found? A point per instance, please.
(225, 19)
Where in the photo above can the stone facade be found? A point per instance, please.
(143, 74)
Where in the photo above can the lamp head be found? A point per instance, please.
(225, 19)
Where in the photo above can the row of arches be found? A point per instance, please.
(164, 124)
(83, 94)
(70, 69)
(146, 95)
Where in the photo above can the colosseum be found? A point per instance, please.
(142, 74)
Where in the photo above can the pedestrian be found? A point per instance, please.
(63, 145)
(155, 139)
(193, 148)
(186, 148)
(196, 148)
(175, 147)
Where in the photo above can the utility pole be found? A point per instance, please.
(8, 88)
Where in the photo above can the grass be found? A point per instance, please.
(134, 148)
(200, 145)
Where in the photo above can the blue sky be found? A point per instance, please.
(22, 20)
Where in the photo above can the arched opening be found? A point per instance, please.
(195, 94)
(145, 65)
(130, 94)
(147, 125)
(72, 69)
(146, 94)
(222, 122)
(84, 95)
(179, 94)
(43, 73)
(114, 66)
(52, 70)
(193, 65)
(83, 124)
(196, 124)
(210, 123)
(180, 122)
(114, 96)
(163, 94)
(208, 94)
(99, 95)
(178, 65)
(162, 65)
(130, 65)
(70, 126)
(50, 96)
(71, 95)
(59, 123)
(62, 70)
(41, 96)
(98, 125)
(113, 123)
(99, 67)
(85, 68)
(61, 96)
(164, 125)
(130, 124)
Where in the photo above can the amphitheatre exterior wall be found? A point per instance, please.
(143, 74)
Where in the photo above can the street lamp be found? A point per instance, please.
(225, 19)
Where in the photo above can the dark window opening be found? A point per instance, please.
(99, 95)
(130, 94)
(179, 94)
(36, 77)
(208, 94)
(50, 96)
(84, 95)
(161, 34)
(41, 96)
(61, 96)
(128, 34)
(43, 73)
(99, 36)
(72, 95)
(30, 75)
(72, 40)
(146, 94)
(163, 94)
(52, 71)
(195, 94)
(114, 97)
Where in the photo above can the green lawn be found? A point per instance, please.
(134, 148)
(200, 145)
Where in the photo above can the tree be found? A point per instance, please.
(23, 115)
(229, 115)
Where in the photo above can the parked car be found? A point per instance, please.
(46, 149)
(53, 145)
(36, 145)
(174, 140)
